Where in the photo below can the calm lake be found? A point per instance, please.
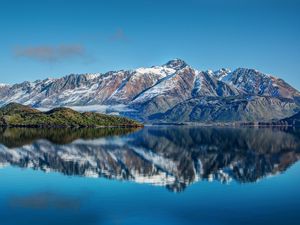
(155, 175)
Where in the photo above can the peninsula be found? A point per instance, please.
(18, 115)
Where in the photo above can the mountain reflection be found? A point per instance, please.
(168, 156)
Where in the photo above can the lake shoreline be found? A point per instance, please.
(153, 124)
(69, 126)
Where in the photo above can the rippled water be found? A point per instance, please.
(155, 175)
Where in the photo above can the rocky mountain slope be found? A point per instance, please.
(156, 94)
(239, 108)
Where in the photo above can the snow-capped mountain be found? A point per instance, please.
(148, 93)
(254, 82)
(174, 158)
(3, 85)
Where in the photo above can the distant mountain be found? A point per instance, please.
(238, 108)
(254, 82)
(158, 93)
(17, 115)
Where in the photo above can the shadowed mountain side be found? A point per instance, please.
(239, 108)
(174, 157)
(292, 121)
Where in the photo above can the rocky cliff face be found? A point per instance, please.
(146, 92)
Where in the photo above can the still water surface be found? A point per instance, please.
(156, 175)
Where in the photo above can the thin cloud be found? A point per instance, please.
(51, 53)
(45, 201)
(119, 35)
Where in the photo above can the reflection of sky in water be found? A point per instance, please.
(33, 197)
(30, 196)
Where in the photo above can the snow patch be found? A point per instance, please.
(4, 85)
(162, 70)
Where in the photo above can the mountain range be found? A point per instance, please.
(172, 92)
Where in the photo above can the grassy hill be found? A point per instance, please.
(17, 115)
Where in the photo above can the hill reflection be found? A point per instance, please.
(174, 157)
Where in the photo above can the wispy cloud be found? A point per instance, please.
(47, 53)
(119, 35)
(44, 201)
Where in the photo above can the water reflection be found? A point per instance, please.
(174, 157)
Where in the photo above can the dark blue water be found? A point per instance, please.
(157, 175)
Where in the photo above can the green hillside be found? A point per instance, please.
(17, 115)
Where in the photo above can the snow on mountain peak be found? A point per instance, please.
(163, 70)
(222, 72)
(4, 85)
(91, 76)
(219, 73)
(176, 64)
(255, 82)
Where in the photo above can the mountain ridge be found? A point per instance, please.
(144, 92)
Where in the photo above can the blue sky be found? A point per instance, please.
(51, 38)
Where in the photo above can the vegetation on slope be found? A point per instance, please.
(17, 115)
